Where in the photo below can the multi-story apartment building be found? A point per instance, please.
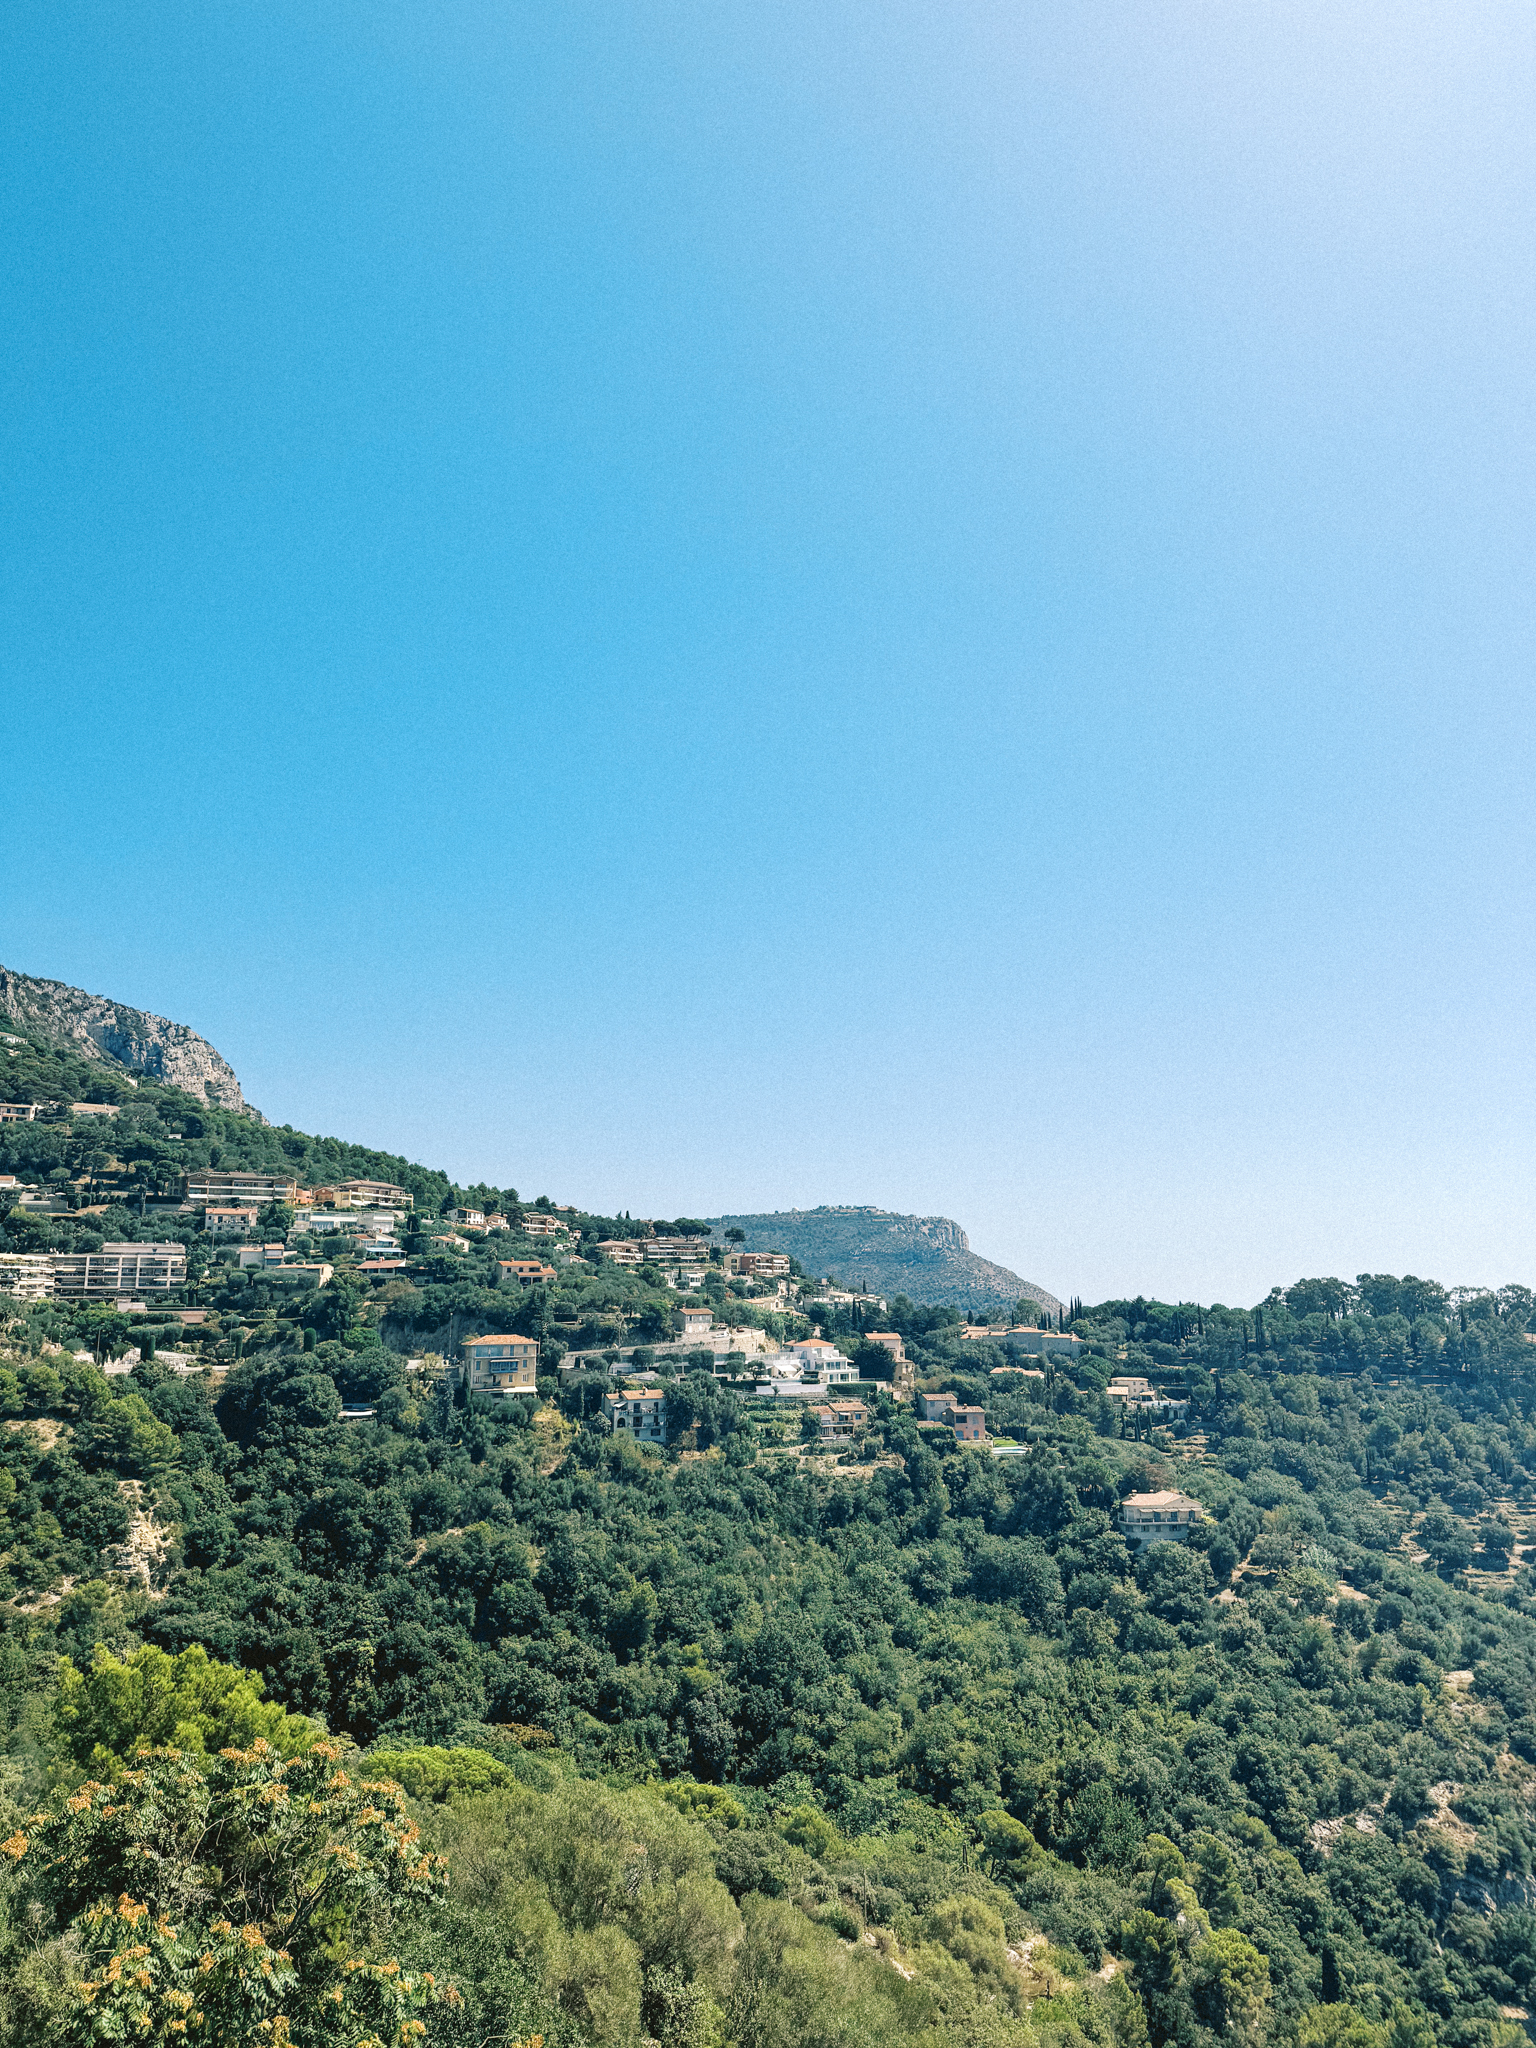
(758, 1265)
(536, 1223)
(229, 1222)
(623, 1251)
(1167, 1517)
(1023, 1337)
(376, 1194)
(119, 1269)
(1142, 1398)
(637, 1414)
(677, 1251)
(815, 1352)
(840, 1420)
(501, 1365)
(207, 1184)
(26, 1275)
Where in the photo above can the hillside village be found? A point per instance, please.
(1138, 1675)
(221, 1256)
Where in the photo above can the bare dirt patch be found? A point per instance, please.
(47, 1427)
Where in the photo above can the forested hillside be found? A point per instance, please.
(744, 1741)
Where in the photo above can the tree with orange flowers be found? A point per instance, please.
(228, 1900)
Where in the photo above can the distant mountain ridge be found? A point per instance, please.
(927, 1258)
(134, 1041)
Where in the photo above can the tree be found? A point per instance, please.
(1229, 1984)
(227, 1903)
(106, 1713)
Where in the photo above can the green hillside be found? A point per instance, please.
(744, 1741)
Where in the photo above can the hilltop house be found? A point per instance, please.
(536, 1224)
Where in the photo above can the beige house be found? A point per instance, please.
(757, 1265)
(528, 1271)
(697, 1322)
(501, 1365)
(891, 1342)
(376, 1194)
(536, 1224)
(1167, 1517)
(840, 1420)
(229, 1222)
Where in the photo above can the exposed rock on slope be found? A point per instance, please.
(97, 1028)
(927, 1258)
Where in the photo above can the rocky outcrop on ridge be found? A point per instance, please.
(927, 1258)
(95, 1027)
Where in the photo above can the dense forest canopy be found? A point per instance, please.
(741, 1740)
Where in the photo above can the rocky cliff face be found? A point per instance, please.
(927, 1258)
(97, 1028)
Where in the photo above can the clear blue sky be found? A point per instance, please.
(695, 606)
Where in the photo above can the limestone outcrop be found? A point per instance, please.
(95, 1027)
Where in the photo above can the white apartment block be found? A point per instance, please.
(26, 1275)
(636, 1414)
(376, 1194)
(207, 1184)
(127, 1269)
